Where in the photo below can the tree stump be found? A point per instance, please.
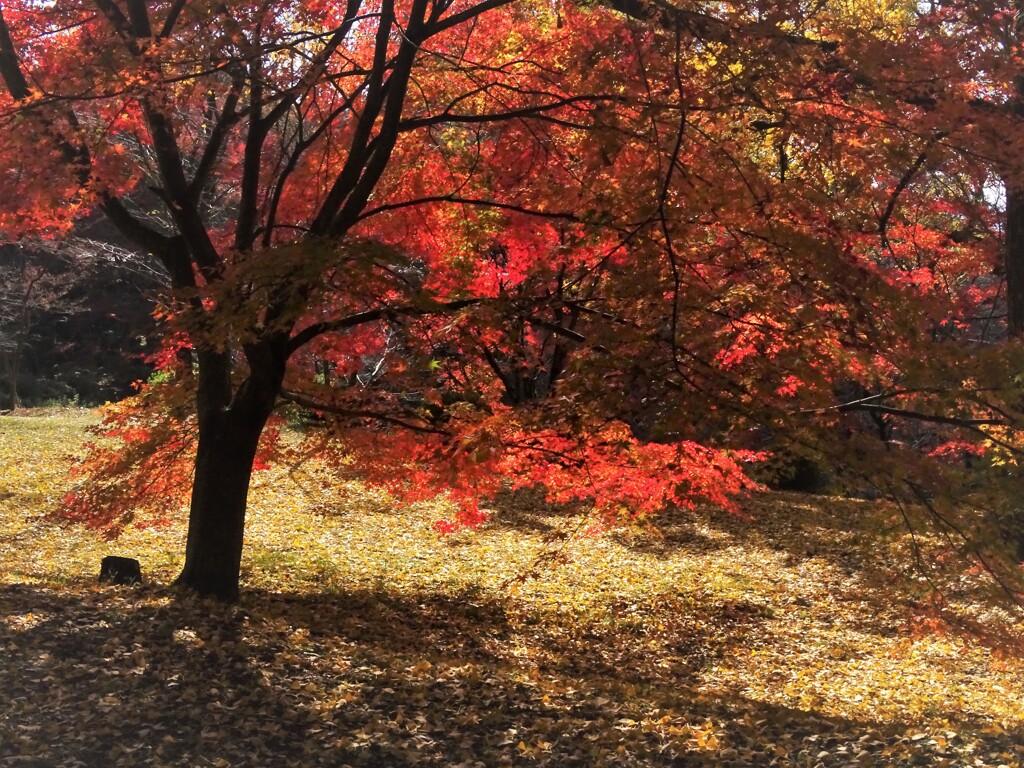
(120, 570)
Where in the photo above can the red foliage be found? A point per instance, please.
(533, 244)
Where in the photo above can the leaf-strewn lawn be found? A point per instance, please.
(796, 637)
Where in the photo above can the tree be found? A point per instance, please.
(22, 282)
(73, 318)
(603, 249)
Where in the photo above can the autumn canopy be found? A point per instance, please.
(624, 250)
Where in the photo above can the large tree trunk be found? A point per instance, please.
(213, 552)
(1013, 263)
(1014, 257)
(229, 434)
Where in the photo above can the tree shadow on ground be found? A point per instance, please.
(141, 677)
(850, 545)
(842, 532)
(527, 510)
(799, 524)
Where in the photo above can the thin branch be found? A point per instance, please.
(922, 497)
(903, 183)
(536, 111)
(511, 207)
(559, 330)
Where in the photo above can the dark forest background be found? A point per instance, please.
(76, 322)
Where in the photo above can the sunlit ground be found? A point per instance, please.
(798, 636)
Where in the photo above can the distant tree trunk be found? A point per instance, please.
(21, 334)
(11, 372)
(230, 425)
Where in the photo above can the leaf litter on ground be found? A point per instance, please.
(796, 635)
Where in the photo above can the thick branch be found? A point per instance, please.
(463, 16)
(180, 197)
(168, 249)
(120, 23)
(917, 416)
(506, 377)
(10, 66)
(172, 17)
(245, 223)
(705, 26)
(215, 143)
(305, 402)
(388, 131)
(357, 154)
(139, 17)
(311, 332)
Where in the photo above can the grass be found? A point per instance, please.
(798, 635)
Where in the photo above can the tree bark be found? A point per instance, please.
(220, 489)
(1013, 264)
(229, 435)
(1014, 257)
(11, 370)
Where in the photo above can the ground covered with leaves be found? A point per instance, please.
(796, 635)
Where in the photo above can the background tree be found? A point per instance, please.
(74, 320)
(25, 287)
